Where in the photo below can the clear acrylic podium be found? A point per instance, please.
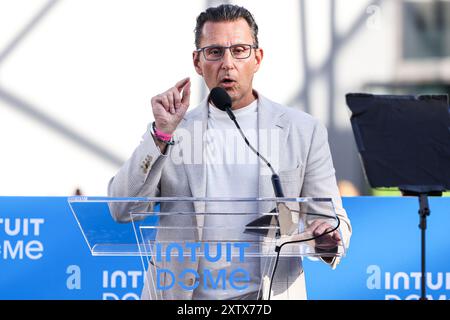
(166, 231)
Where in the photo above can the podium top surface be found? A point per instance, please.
(137, 226)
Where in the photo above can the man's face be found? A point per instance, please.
(234, 75)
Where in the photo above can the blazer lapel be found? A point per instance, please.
(193, 157)
(272, 133)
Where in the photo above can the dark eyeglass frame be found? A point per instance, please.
(252, 46)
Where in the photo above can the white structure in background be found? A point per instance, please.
(76, 77)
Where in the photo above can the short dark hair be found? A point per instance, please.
(225, 12)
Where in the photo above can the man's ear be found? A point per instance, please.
(196, 61)
(259, 54)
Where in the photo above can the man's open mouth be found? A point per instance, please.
(227, 82)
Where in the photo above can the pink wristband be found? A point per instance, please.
(161, 135)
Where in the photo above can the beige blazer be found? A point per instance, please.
(305, 168)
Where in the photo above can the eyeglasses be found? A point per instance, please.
(238, 51)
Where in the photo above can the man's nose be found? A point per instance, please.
(227, 60)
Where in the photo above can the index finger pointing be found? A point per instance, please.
(186, 94)
(180, 84)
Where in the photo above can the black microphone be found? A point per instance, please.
(222, 100)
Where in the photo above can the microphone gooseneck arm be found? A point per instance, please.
(276, 183)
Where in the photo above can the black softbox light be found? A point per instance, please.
(403, 140)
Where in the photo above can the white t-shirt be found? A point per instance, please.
(232, 171)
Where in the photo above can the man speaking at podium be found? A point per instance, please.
(228, 55)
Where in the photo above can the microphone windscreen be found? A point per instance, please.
(220, 98)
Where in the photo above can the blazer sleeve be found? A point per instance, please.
(320, 181)
(139, 176)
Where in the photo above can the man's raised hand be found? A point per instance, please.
(170, 106)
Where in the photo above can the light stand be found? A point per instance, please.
(424, 212)
(404, 142)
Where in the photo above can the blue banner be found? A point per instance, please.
(384, 258)
(43, 254)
